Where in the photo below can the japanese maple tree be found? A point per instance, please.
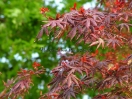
(108, 28)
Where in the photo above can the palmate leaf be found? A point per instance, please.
(9, 82)
(59, 34)
(52, 24)
(55, 83)
(72, 33)
(89, 22)
(76, 69)
(113, 42)
(58, 78)
(124, 16)
(68, 93)
(88, 81)
(102, 64)
(99, 42)
(40, 34)
(107, 83)
(71, 79)
(126, 25)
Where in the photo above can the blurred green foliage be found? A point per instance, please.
(20, 21)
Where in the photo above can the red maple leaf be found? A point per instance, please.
(83, 59)
(95, 53)
(43, 10)
(119, 3)
(81, 10)
(74, 7)
(36, 64)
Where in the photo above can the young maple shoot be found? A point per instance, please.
(107, 28)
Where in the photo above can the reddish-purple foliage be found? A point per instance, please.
(75, 73)
(20, 85)
(111, 28)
